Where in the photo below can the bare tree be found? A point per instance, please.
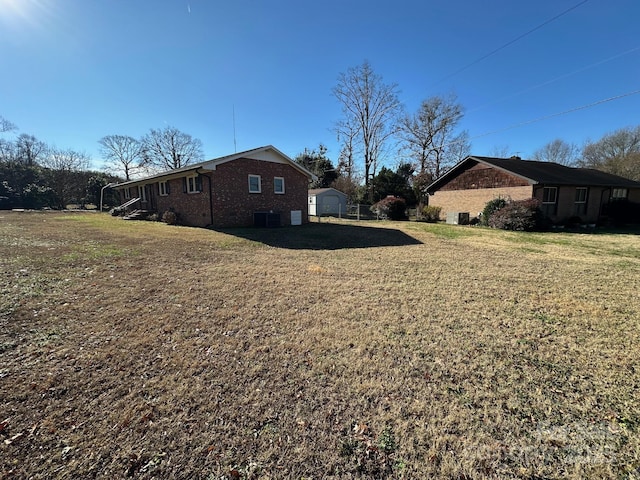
(29, 150)
(7, 150)
(6, 125)
(617, 152)
(347, 133)
(122, 154)
(429, 137)
(63, 169)
(169, 149)
(500, 151)
(370, 108)
(558, 151)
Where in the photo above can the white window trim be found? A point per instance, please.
(555, 196)
(616, 191)
(127, 194)
(259, 190)
(586, 193)
(142, 193)
(274, 186)
(162, 189)
(194, 183)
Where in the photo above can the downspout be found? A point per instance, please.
(607, 189)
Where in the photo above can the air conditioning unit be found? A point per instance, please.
(458, 218)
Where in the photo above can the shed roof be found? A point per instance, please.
(319, 191)
(544, 173)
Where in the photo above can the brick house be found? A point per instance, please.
(261, 187)
(564, 192)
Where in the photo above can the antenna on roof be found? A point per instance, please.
(235, 145)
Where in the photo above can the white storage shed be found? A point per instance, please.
(327, 201)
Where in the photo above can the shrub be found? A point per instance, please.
(491, 207)
(573, 222)
(522, 215)
(623, 212)
(169, 217)
(431, 213)
(391, 207)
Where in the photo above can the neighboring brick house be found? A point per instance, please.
(262, 187)
(564, 192)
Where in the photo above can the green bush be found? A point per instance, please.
(393, 208)
(431, 213)
(491, 207)
(521, 215)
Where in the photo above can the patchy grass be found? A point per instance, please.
(334, 350)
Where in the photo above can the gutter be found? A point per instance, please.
(159, 177)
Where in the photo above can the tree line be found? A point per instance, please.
(35, 175)
(428, 141)
(374, 126)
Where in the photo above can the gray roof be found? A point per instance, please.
(543, 173)
(216, 161)
(316, 191)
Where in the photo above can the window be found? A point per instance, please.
(580, 207)
(549, 195)
(619, 193)
(255, 184)
(127, 193)
(581, 195)
(163, 189)
(278, 185)
(193, 184)
(142, 193)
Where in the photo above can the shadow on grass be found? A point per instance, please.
(324, 236)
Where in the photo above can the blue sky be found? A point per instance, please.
(73, 71)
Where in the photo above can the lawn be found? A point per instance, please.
(332, 350)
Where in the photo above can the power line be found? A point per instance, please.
(553, 80)
(539, 119)
(493, 52)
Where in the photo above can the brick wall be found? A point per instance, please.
(191, 208)
(481, 176)
(473, 201)
(233, 205)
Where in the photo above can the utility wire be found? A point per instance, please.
(493, 52)
(561, 77)
(539, 119)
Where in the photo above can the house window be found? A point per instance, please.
(127, 193)
(142, 193)
(255, 184)
(581, 201)
(619, 194)
(549, 195)
(193, 184)
(163, 189)
(278, 185)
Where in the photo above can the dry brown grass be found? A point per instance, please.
(324, 351)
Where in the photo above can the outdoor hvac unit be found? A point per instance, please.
(266, 219)
(458, 218)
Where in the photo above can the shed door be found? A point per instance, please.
(312, 204)
(330, 204)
